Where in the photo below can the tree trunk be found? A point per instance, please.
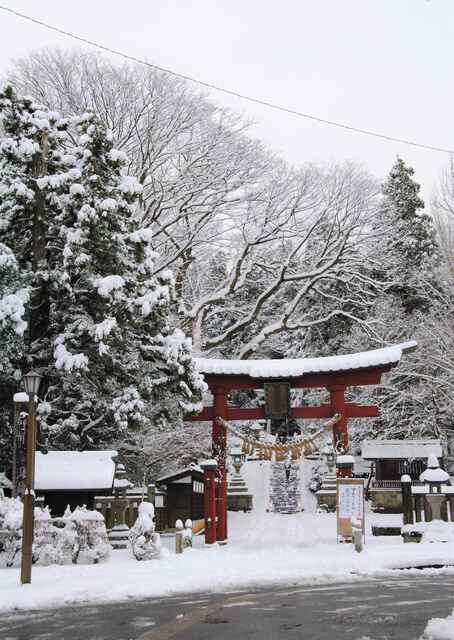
(39, 298)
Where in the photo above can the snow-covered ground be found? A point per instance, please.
(263, 549)
(440, 629)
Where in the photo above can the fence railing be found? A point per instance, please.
(392, 484)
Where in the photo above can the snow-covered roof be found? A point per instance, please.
(295, 367)
(188, 471)
(400, 449)
(74, 470)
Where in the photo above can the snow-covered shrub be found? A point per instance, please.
(45, 551)
(11, 522)
(79, 536)
(316, 479)
(144, 543)
(91, 543)
(66, 541)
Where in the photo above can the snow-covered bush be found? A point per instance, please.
(144, 543)
(90, 543)
(11, 522)
(316, 479)
(79, 536)
(45, 550)
(67, 541)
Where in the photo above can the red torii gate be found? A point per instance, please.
(334, 373)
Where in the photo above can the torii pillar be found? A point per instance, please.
(338, 405)
(220, 453)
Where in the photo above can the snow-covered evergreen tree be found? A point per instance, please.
(78, 267)
(33, 171)
(410, 249)
(409, 264)
(120, 366)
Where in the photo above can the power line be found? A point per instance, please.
(229, 92)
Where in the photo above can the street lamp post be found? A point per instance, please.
(31, 383)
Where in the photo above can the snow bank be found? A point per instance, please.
(440, 629)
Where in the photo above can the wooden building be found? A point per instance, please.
(184, 495)
(73, 478)
(390, 460)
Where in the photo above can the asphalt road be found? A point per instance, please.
(381, 609)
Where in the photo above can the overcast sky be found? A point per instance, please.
(385, 65)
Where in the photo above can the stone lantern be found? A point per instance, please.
(435, 477)
(329, 456)
(118, 535)
(238, 457)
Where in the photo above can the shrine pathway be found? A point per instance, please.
(380, 609)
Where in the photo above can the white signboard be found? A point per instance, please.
(351, 501)
(350, 505)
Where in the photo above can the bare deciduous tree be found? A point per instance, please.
(258, 249)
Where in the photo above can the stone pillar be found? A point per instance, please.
(340, 431)
(407, 500)
(209, 499)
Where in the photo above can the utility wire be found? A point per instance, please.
(242, 96)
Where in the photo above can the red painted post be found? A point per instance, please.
(220, 453)
(338, 405)
(209, 499)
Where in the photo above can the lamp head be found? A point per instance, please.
(32, 380)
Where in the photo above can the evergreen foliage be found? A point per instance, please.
(409, 264)
(77, 267)
(410, 250)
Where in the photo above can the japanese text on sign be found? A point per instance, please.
(350, 501)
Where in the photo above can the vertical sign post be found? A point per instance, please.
(350, 506)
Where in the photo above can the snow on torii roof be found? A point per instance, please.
(74, 470)
(296, 367)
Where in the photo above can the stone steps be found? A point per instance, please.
(285, 494)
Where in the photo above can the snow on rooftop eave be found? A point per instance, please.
(400, 449)
(297, 367)
(178, 474)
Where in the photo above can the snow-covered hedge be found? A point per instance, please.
(10, 530)
(80, 536)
